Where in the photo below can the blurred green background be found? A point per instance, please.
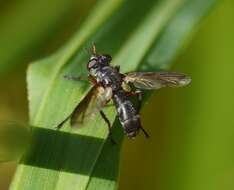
(192, 129)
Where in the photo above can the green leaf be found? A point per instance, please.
(133, 32)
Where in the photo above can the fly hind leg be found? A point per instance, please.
(145, 132)
(109, 126)
(139, 95)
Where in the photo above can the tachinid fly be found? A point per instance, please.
(110, 84)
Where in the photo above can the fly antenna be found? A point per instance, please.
(93, 49)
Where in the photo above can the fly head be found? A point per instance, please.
(98, 61)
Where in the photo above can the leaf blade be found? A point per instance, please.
(61, 176)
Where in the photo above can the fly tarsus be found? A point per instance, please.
(145, 133)
(60, 125)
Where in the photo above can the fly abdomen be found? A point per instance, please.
(132, 126)
(128, 117)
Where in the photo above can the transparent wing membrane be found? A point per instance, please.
(156, 80)
(95, 100)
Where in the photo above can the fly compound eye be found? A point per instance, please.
(92, 63)
(106, 59)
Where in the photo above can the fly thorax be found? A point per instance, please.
(98, 75)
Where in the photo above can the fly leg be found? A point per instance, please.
(69, 77)
(81, 78)
(139, 94)
(145, 133)
(60, 125)
(109, 126)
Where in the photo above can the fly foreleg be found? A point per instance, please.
(80, 78)
(69, 77)
(109, 126)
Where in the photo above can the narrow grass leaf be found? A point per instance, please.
(131, 32)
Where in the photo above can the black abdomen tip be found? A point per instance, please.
(132, 126)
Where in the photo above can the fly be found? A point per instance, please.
(110, 84)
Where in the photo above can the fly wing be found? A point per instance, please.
(95, 100)
(156, 80)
